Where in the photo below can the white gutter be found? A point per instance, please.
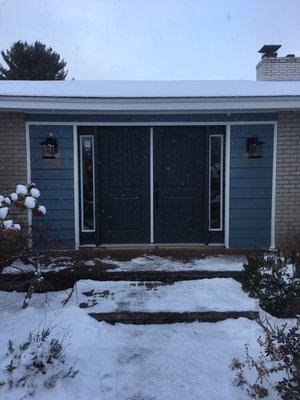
(50, 104)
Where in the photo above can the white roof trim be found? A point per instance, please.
(149, 104)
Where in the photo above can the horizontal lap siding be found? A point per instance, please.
(136, 118)
(250, 188)
(55, 179)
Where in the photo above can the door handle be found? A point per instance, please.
(156, 195)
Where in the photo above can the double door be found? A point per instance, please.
(150, 184)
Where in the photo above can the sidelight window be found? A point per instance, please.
(215, 182)
(87, 183)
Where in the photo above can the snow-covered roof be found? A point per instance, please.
(148, 96)
(149, 89)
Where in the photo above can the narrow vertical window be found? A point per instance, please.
(87, 183)
(215, 182)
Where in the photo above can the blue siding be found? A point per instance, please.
(250, 179)
(250, 188)
(55, 179)
(195, 117)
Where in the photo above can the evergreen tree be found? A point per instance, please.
(32, 62)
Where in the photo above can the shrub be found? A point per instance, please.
(277, 366)
(14, 241)
(289, 246)
(37, 362)
(270, 278)
(13, 246)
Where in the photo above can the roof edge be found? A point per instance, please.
(149, 103)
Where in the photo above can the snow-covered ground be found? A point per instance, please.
(118, 362)
(156, 263)
(130, 362)
(18, 267)
(219, 294)
(56, 264)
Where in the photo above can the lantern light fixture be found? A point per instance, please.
(254, 147)
(49, 147)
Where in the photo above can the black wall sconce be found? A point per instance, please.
(49, 147)
(254, 147)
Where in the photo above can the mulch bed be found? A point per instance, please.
(66, 278)
(184, 254)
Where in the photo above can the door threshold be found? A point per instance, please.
(153, 246)
(148, 245)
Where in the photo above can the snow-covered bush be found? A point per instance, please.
(38, 362)
(14, 240)
(24, 198)
(272, 279)
(276, 367)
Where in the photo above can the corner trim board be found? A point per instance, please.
(76, 186)
(273, 206)
(28, 165)
(151, 188)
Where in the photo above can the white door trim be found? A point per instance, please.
(151, 188)
(227, 185)
(81, 182)
(76, 186)
(220, 229)
(28, 167)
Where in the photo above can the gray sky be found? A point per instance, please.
(152, 39)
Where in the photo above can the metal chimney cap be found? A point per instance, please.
(269, 49)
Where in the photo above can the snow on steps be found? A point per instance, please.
(156, 302)
(166, 269)
(154, 262)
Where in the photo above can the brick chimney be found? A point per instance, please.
(274, 68)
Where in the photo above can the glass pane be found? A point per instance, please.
(215, 182)
(87, 176)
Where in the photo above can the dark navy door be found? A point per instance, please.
(179, 184)
(124, 185)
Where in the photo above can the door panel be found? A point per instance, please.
(179, 176)
(124, 185)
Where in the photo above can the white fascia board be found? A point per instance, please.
(149, 104)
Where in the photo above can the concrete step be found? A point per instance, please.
(170, 276)
(156, 302)
(146, 318)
